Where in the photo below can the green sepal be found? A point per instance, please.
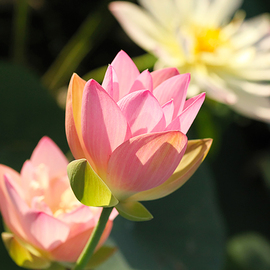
(24, 255)
(87, 186)
(133, 211)
(100, 256)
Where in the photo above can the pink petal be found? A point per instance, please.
(54, 191)
(15, 176)
(194, 155)
(27, 176)
(126, 72)
(48, 153)
(51, 188)
(174, 88)
(168, 110)
(71, 249)
(162, 75)
(27, 173)
(12, 205)
(79, 220)
(142, 112)
(186, 118)
(15, 198)
(144, 162)
(190, 102)
(110, 83)
(143, 81)
(40, 206)
(47, 231)
(37, 227)
(104, 126)
(81, 214)
(114, 214)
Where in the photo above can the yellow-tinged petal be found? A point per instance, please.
(73, 128)
(77, 85)
(195, 153)
(22, 255)
(73, 118)
(87, 186)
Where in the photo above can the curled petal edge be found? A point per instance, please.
(195, 154)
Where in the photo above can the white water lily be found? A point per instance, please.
(227, 58)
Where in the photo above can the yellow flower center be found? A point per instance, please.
(202, 45)
(207, 39)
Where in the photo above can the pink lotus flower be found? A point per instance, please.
(44, 220)
(131, 130)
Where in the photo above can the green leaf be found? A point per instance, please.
(133, 211)
(100, 256)
(248, 251)
(87, 186)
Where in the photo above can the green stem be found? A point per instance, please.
(19, 31)
(93, 240)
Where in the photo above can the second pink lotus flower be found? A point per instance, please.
(131, 130)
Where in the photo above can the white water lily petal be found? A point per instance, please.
(162, 11)
(253, 106)
(184, 9)
(221, 10)
(259, 61)
(255, 74)
(216, 88)
(242, 58)
(200, 10)
(234, 25)
(252, 31)
(142, 28)
(257, 89)
(263, 44)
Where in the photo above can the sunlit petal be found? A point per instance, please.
(104, 126)
(144, 162)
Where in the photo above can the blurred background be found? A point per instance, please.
(219, 220)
